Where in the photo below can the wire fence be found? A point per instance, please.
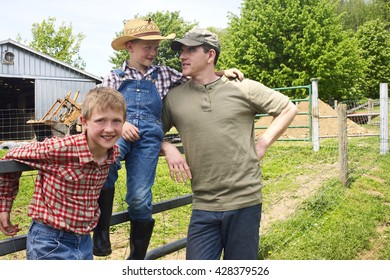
(292, 184)
(13, 124)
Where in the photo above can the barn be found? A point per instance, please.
(30, 83)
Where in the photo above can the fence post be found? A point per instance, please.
(370, 110)
(343, 143)
(315, 115)
(384, 114)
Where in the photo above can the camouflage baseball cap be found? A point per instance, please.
(197, 37)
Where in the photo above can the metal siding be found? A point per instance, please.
(48, 91)
(27, 63)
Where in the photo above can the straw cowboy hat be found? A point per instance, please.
(139, 29)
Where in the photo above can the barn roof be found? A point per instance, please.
(50, 58)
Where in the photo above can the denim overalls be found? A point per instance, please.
(144, 108)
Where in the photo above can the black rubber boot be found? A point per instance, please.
(101, 233)
(140, 234)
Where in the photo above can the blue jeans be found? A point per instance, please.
(47, 243)
(144, 108)
(235, 233)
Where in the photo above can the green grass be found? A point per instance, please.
(328, 221)
(338, 222)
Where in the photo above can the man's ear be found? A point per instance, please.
(212, 55)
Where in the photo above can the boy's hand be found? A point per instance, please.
(6, 226)
(130, 132)
(234, 73)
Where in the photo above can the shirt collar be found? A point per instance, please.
(148, 71)
(210, 86)
(85, 156)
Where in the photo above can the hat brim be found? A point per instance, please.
(120, 42)
(176, 45)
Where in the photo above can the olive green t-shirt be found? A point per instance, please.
(216, 126)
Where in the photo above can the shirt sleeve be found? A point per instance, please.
(265, 100)
(34, 151)
(9, 187)
(176, 77)
(165, 116)
(112, 80)
(33, 154)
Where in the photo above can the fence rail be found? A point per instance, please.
(18, 243)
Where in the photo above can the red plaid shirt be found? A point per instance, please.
(67, 186)
(167, 77)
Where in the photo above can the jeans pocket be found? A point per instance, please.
(41, 244)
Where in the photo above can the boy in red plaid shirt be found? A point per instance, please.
(71, 172)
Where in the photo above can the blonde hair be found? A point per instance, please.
(100, 98)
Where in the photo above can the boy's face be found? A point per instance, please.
(104, 127)
(142, 53)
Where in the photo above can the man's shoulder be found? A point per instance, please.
(246, 84)
(180, 88)
(239, 82)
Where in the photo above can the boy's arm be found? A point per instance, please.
(231, 73)
(32, 154)
(9, 186)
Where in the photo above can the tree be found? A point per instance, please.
(168, 22)
(374, 42)
(61, 44)
(287, 42)
(357, 12)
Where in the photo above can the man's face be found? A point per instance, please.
(193, 60)
(142, 53)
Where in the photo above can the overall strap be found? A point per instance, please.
(154, 75)
(120, 73)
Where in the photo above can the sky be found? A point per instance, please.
(99, 21)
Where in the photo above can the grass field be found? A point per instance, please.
(308, 214)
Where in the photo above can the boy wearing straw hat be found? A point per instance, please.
(144, 85)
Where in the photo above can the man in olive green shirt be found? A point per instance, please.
(215, 119)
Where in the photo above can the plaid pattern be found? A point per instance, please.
(167, 77)
(67, 186)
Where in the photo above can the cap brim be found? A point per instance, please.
(120, 42)
(176, 45)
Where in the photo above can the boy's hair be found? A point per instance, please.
(100, 98)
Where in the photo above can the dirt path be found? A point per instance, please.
(289, 202)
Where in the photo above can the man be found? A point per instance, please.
(144, 85)
(215, 119)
